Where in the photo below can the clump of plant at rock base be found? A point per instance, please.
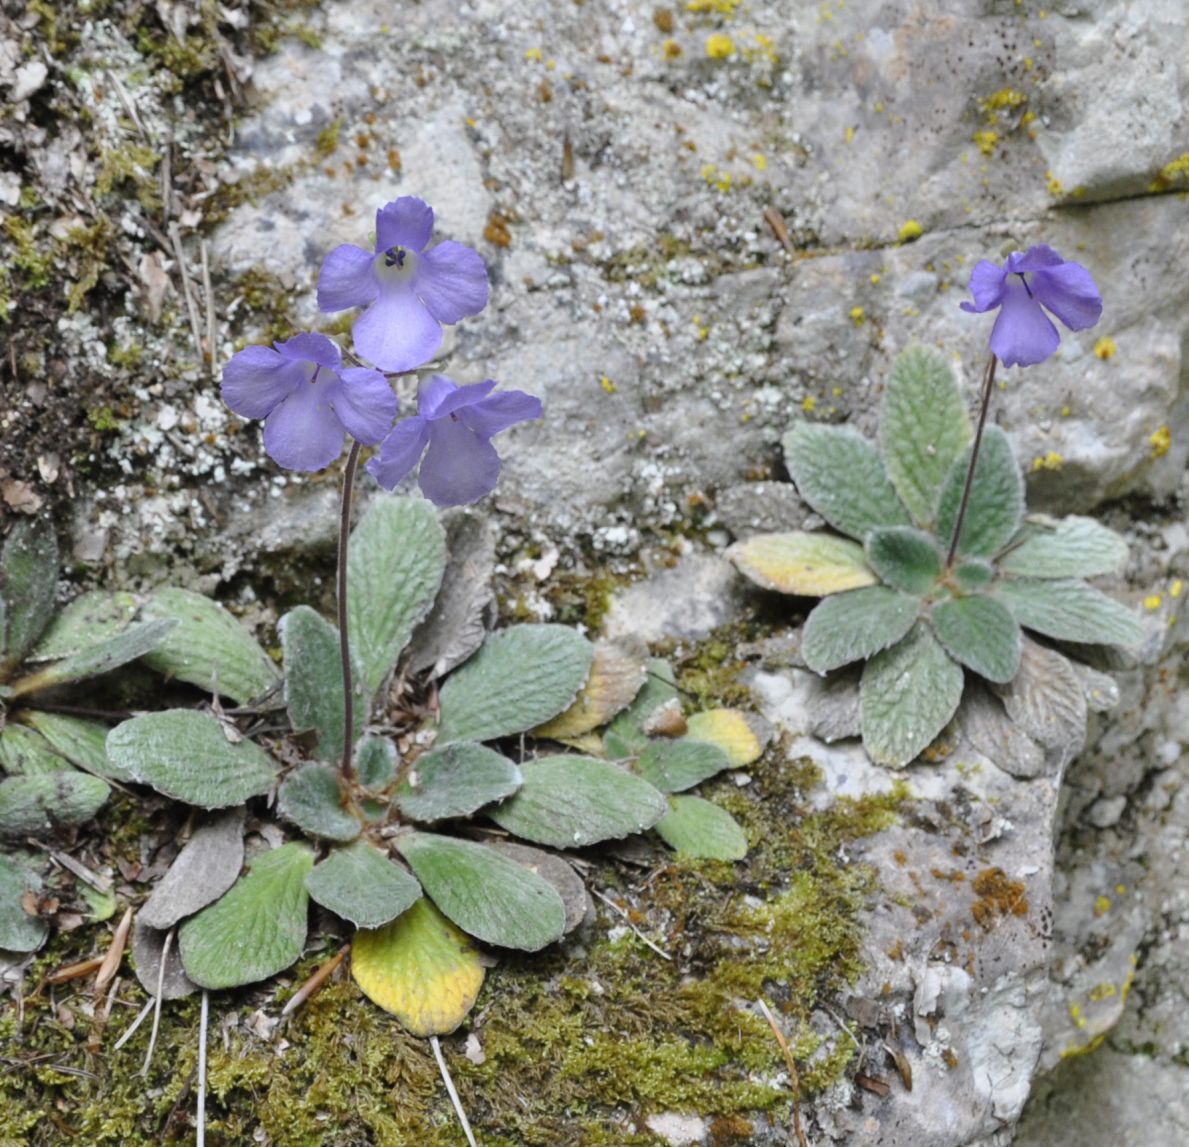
(923, 624)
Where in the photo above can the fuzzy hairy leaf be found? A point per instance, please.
(570, 801)
(29, 568)
(420, 968)
(672, 766)
(996, 498)
(375, 761)
(856, 625)
(973, 574)
(521, 677)
(88, 619)
(742, 736)
(81, 742)
(1064, 547)
(362, 885)
(907, 696)
(905, 558)
(699, 828)
(923, 427)
(255, 930)
(628, 734)
(980, 633)
(1070, 610)
(186, 755)
(25, 752)
(616, 676)
(395, 560)
(106, 655)
(554, 869)
(487, 895)
(806, 564)
(38, 802)
(310, 797)
(1046, 699)
(149, 952)
(841, 475)
(19, 931)
(314, 680)
(209, 648)
(456, 780)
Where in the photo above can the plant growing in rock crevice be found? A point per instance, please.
(923, 599)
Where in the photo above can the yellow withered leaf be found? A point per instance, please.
(810, 564)
(420, 968)
(615, 678)
(740, 735)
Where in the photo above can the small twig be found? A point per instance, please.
(115, 952)
(148, 1056)
(984, 406)
(71, 972)
(99, 883)
(315, 981)
(775, 220)
(175, 236)
(346, 769)
(132, 1027)
(462, 1115)
(627, 920)
(167, 181)
(200, 1138)
(794, 1077)
(129, 106)
(211, 329)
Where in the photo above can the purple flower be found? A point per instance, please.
(457, 424)
(307, 400)
(1027, 285)
(408, 291)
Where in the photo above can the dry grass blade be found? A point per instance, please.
(115, 953)
(627, 920)
(315, 982)
(200, 1120)
(462, 1115)
(794, 1077)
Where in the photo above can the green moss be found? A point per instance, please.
(103, 418)
(34, 264)
(268, 301)
(327, 141)
(134, 165)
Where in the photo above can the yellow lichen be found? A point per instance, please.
(1054, 186)
(1161, 441)
(760, 162)
(608, 385)
(910, 230)
(809, 404)
(1102, 905)
(719, 46)
(986, 141)
(1174, 590)
(1153, 601)
(1050, 461)
(857, 315)
(1105, 347)
(1171, 173)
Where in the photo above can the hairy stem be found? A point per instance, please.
(988, 382)
(347, 768)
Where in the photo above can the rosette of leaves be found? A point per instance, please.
(920, 626)
(413, 855)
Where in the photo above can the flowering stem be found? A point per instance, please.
(347, 769)
(988, 382)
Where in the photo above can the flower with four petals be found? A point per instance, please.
(1027, 285)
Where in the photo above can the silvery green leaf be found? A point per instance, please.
(841, 475)
(1064, 547)
(856, 625)
(80, 741)
(628, 734)
(206, 868)
(832, 707)
(672, 766)
(570, 801)
(520, 678)
(986, 725)
(19, 931)
(456, 780)
(25, 752)
(980, 633)
(554, 870)
(1070, 610)
(187, 755)
(39, 802)
(95, 660)
(699, 828)
(314, 680)
(907, 696)
(29, 567)
(311, 798)
(487, 895)
(996, 498)
(905, 558)
(808, 564)
(1046, 699)
(209, 648)
(256, 929)
(395, 561)
(148, 952)
(375, 762)
(362, 885)
(923, 427)
(85, 621)
(972, 574)
(464, 609)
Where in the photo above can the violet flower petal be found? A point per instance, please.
(364, 403)
(986, 285)
(460, 467)
(302, 433)
(451, 280)
(405, 222)
(1036, 258)
(399, 452)
(500, 411)
(258, 379)
(1069, 292)
(396, 332)
(310, 347)
(347, 279)
(1023, 334)
(433, 402)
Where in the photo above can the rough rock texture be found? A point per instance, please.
(688, 249)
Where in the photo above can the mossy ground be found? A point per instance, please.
(581, 1042)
